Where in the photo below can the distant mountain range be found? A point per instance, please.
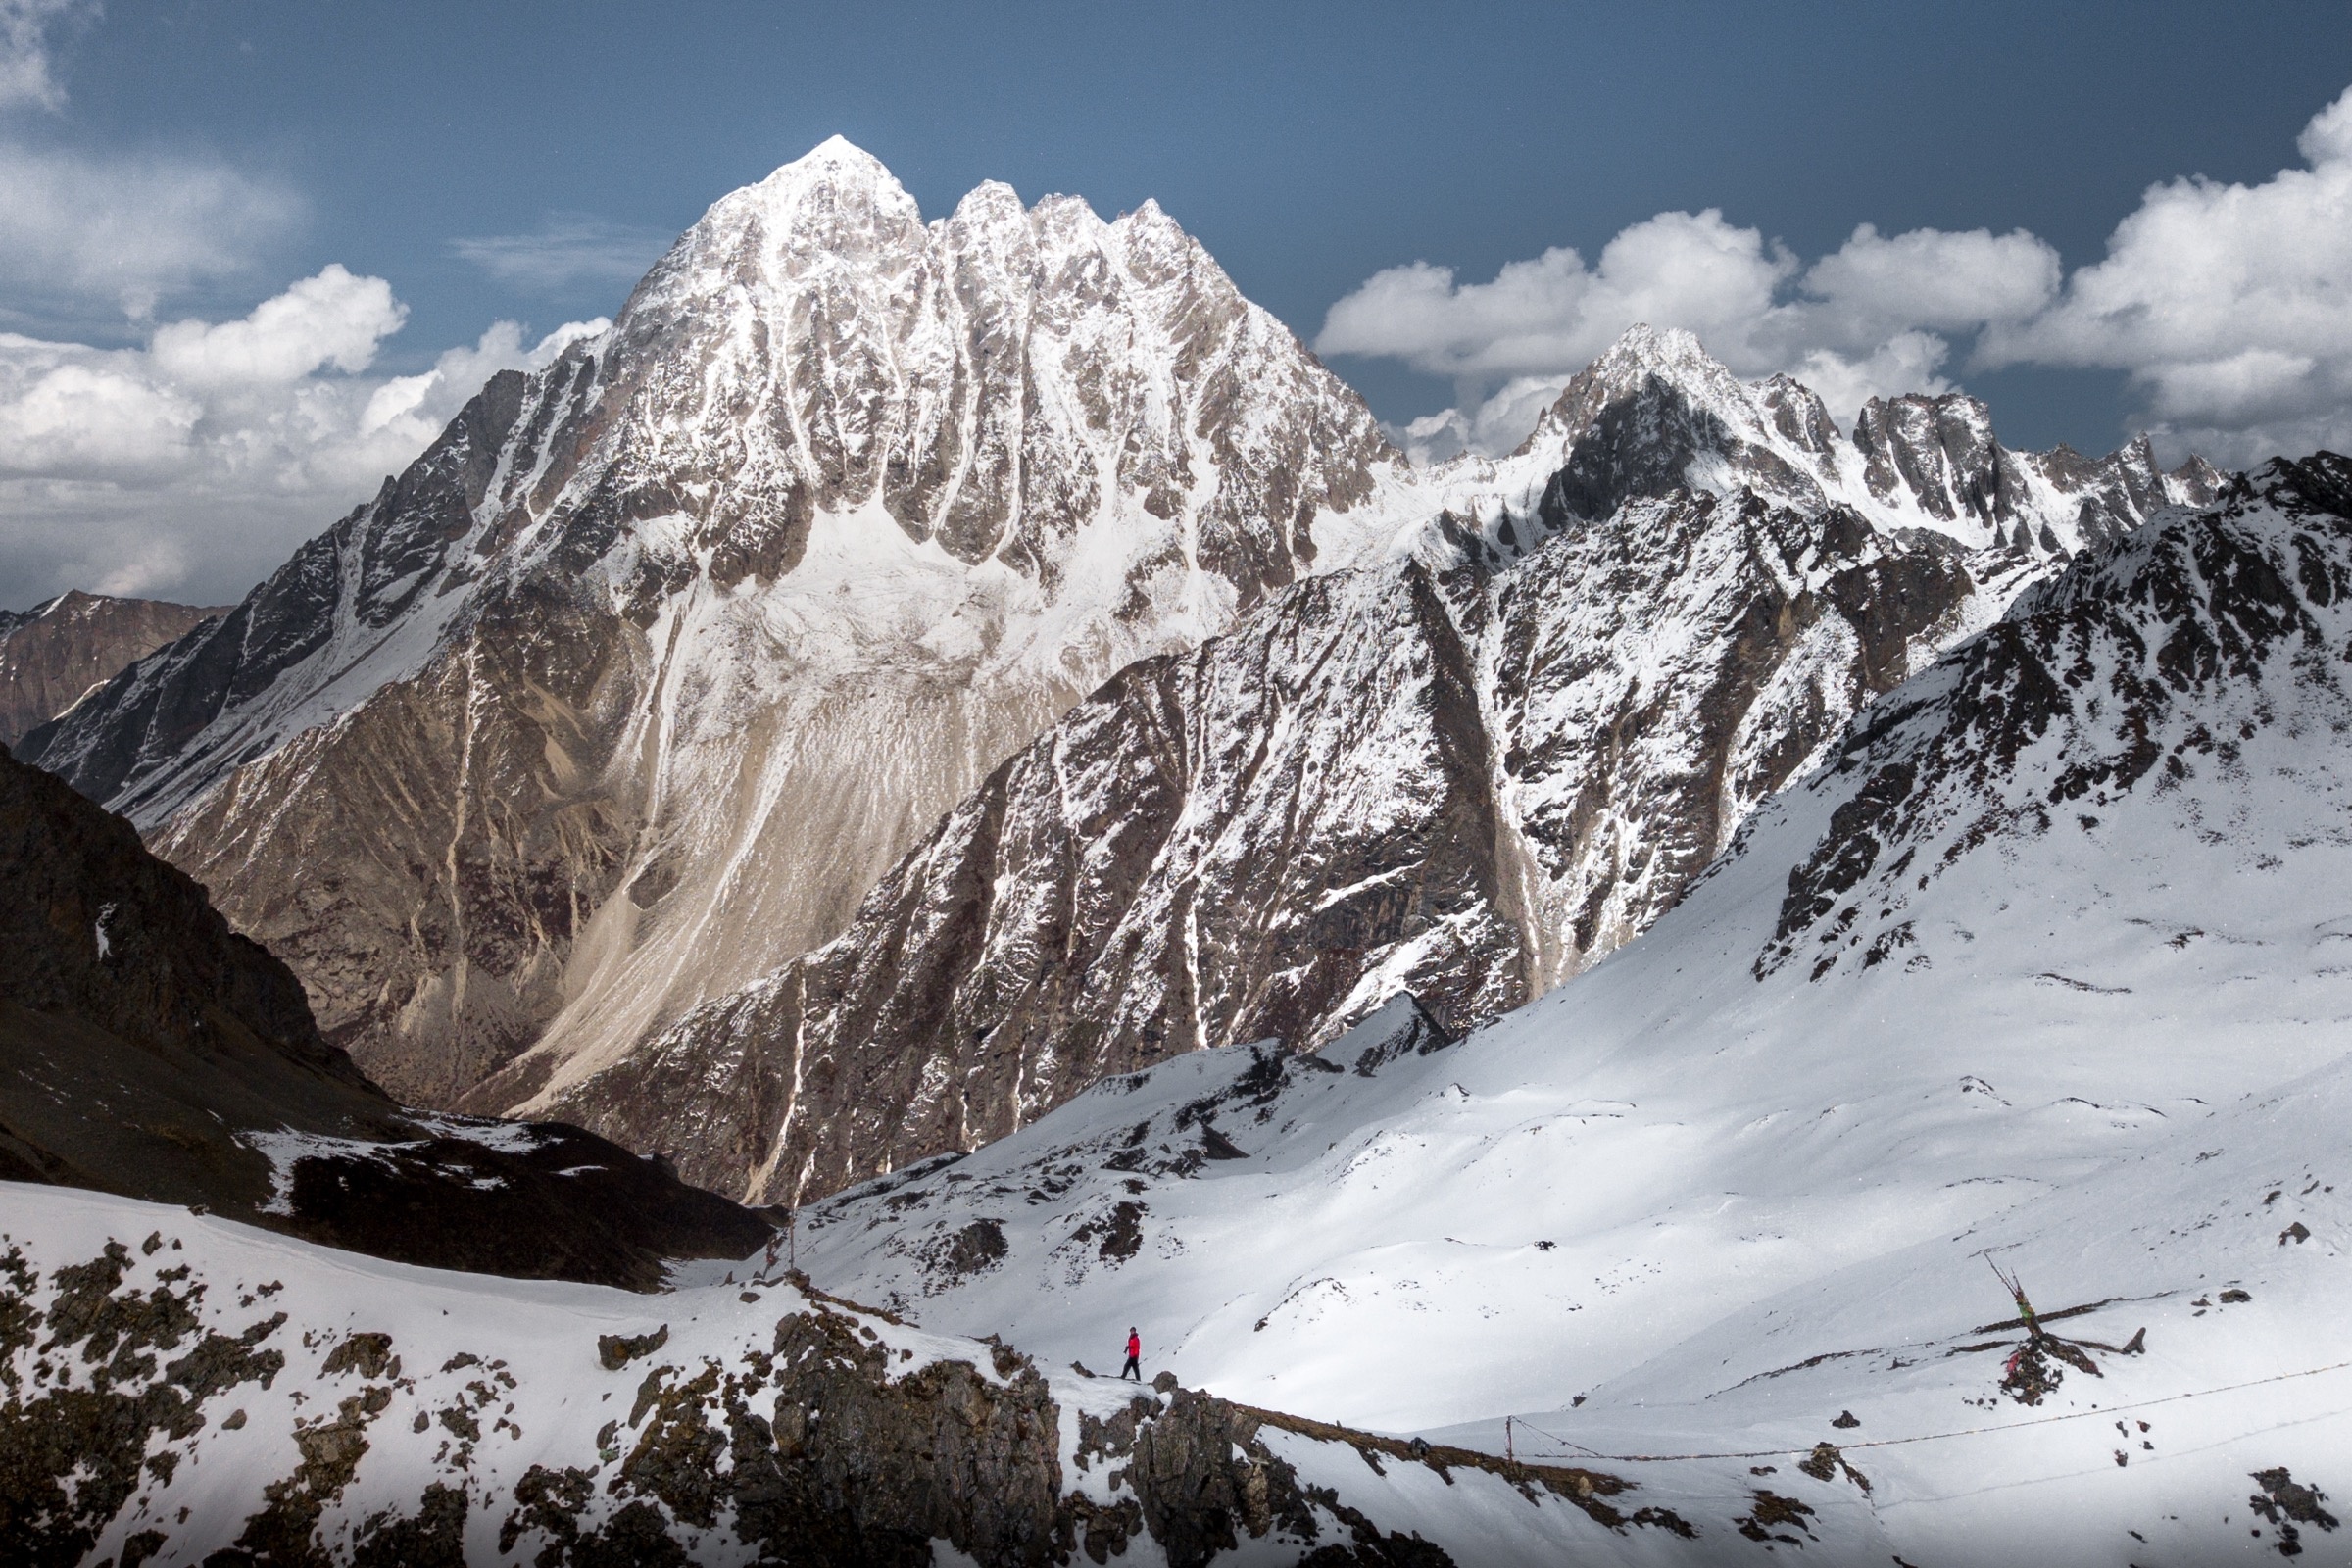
(54, 653)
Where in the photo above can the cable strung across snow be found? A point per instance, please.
(1582, 1452)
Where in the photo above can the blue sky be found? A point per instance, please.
(467, 165)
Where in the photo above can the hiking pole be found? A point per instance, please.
(2016, 1293)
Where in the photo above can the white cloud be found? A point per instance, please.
(1863, 321)
(26, 73)
(1874, 289)
(194, 465)
(68, 412)
(567, 248)
(1549, 316)
(1496, 424)
(1907, 362)
(123, 232)
(2229, 307)
(333, 318)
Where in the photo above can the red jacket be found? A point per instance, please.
(1134, 1346)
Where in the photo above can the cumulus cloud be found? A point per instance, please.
(566, 248)
(1907, 362)
(73, 413)
(1549, 316)
(2225, 304)
(333, 318)
(2230, 306)
(1495, 424)
(1866, 321)
(194, 464)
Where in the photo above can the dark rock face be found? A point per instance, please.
(148, 1049)
(51, 655)
(601, 636)
(2120, 658)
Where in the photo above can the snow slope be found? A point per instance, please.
(2046, 960)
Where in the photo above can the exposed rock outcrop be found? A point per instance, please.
(162, 1400)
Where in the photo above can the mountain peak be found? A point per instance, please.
(835, 172)
(1645, 344)
(836, 153)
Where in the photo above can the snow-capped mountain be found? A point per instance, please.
(1467, 770)
(2076, 884)
(633, 684)
(2044, 963)
(1655, 413)
(58, 650)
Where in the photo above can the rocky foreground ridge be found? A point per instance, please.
(183, 1390)
(1467, 771)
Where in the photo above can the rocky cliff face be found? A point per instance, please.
(1467, 772)
(148, 1049)
(637, 680)
(52, 654)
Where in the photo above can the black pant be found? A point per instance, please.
(1132, 1368)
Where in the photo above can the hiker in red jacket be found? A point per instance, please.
(1135, 1357)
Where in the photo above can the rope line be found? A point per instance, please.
(1926, 1437)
